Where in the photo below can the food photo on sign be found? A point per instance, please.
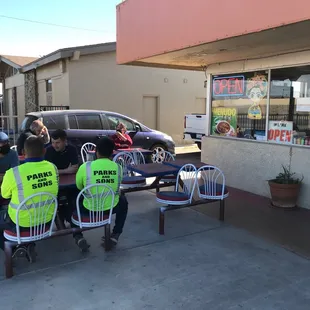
(224, 122)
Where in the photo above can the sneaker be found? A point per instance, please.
(82, 244)
(31, 253)
(19, 251)
(114, 239)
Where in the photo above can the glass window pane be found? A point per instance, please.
(290, 106)
(239, 103)
(114, 120)
(105, 122)
(89, 122)
(55, 121)
(72, 122)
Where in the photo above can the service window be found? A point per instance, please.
(91, 122)
(114, 120)
(55, 121)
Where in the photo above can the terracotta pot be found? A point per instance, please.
(284, 195)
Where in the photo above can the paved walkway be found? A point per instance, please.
(199, 264)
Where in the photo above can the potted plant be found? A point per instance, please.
(284, 189)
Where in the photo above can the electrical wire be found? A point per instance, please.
(49, 24)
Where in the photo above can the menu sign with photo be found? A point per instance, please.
(224, 122)
(280, 131)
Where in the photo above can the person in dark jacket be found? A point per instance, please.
(36, 128)
(8, 157)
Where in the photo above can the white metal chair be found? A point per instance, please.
(167, 157)
(14, 148)
(125, 159)
(138, 157)
(99, 198)
(88, 151)
(100, 201)
(213, 186)
(182, 195)
(162, 157)
(42, 209)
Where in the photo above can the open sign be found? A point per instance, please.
(228, 86)
(280, 131)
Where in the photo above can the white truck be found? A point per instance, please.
(195, 127)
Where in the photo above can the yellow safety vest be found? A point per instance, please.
(100, 171)
(25, 180)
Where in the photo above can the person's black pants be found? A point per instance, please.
(65, 211)
(5, 223)
(120, 210)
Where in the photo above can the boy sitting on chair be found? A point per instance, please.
(35, 176)
(104, 171)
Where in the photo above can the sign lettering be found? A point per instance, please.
(228, 86)
(105, 176)
(280, 131)
(40, 180)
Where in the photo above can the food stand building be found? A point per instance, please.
(257, 62)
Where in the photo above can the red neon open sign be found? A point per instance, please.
(228, 86)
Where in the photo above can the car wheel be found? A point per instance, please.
(158, 155)
(199, 145)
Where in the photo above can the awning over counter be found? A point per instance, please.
(190, 34)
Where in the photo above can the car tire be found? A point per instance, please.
(199, 145)
(158, 149)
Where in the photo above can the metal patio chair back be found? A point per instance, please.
(85, 151)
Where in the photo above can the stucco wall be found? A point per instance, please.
(286, 60)
(18, 81)
(248, 165)
(97, 82)
(59, 75)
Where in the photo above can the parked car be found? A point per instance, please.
(90, 125)
(195, 128)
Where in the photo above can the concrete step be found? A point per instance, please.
(184, 149)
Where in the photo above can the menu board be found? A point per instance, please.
(224, 122)
(280, 131)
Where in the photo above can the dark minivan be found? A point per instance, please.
(89, 125)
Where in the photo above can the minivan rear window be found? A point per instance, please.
(55, 121)
(89, 122)
(27, 122)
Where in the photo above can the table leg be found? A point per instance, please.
(222, 209)
(8, 248)
(161, 221)
(107, 235)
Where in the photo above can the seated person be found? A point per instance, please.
(8, 157)
(104, 150)
(36, 128)
(121, 139)
(63, 155)
(21, 182)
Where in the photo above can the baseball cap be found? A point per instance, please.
(3, 137)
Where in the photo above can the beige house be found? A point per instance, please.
(88, 77)
(12, 108)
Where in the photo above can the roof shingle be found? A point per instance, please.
(19, 60)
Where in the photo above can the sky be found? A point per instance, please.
(23, 38)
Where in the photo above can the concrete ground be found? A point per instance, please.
(199, 264)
